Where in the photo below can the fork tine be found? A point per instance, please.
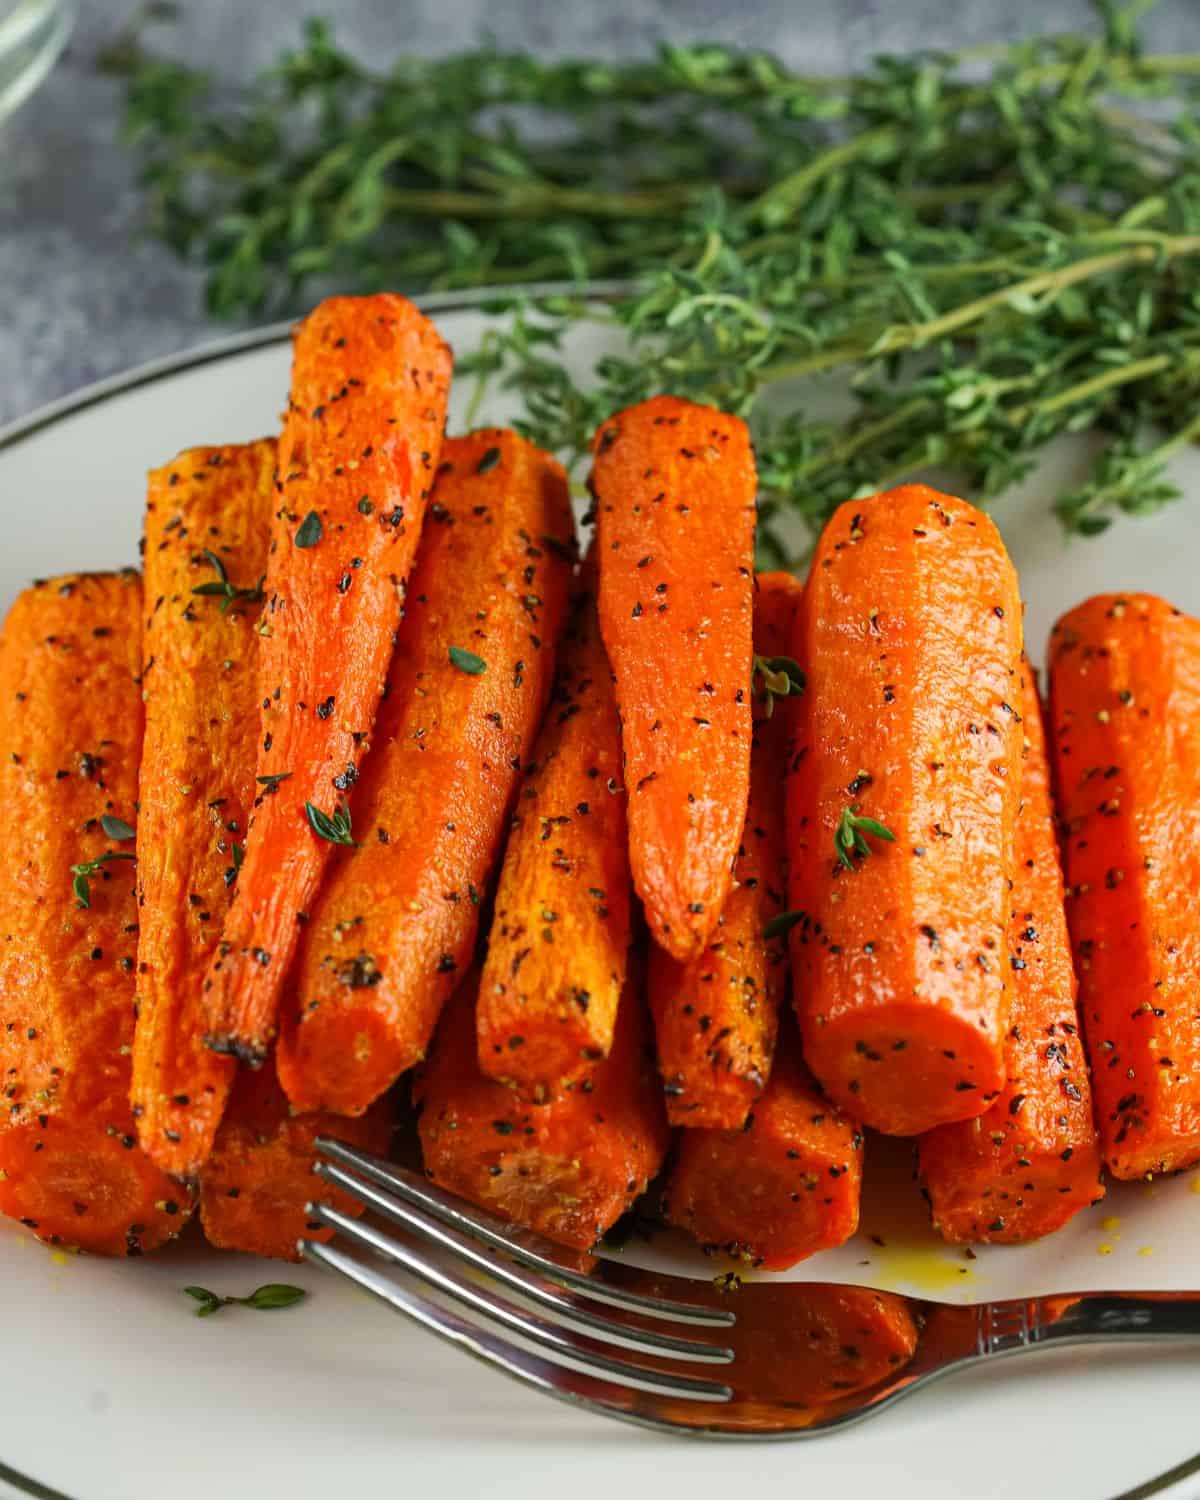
(566, 1308)
(527, 1249)
(579, 1353)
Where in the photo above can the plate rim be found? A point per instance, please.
(245, 341)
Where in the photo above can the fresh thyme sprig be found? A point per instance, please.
(780, 676)
(992, 248)
(84, 873)
(269, 1298)
(334, 827)
(221, 588)
(850, 836)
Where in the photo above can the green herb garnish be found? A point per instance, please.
(87, 871)
(467, 661)
(850, 836)
(333, 827)
(269, 1298)
(995, 250)
(273, 780)
(488, 462)
(220, 587)
(781, 678)
(782, 924)
(310, 531)
(117, 828)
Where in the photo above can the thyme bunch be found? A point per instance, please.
(989, 249)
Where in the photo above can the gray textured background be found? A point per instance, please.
(83, 294)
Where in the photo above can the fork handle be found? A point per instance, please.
(1088, 1317)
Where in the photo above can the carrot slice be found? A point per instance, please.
(780, 1187)
(910, 633)
(558, 946)
(259, 1179)
(70, 1168)
(674, 486)
(1125, 717)
(356, 461)
(208, 521)
(397, 918)
(1032, 1161)
(715, 1016)
(568, 1168)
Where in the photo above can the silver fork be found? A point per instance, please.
(796, 1358)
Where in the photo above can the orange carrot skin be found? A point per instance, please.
(675, 486)
(70, 1167)
(397, 918)
(715, 1017)
(199, 685)
(557, 950)
(357, 457)
(259, 1178)
(779, 1188)
(1027, 1166)
(910, 634)
(1125, 725)
(568, 1168)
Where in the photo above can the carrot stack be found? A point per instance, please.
(715, 1016)
(394, 927)
(674, 486)
(1125, 724)
(902, 808)
(568, 1168)
(357, 457)
(70, 1166)
(208, 522)
(779, 1188)
(1032, 1161)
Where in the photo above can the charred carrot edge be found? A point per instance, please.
(1125, 725)
(1032, 1161)
(557, 950)
(357, 456)
(779, 1188)
(568, 1168)
(397, 918)
(715, 1017)
(910, 634)
(70, 1168)
(675, 486)
(208, 520)
(259, 1178)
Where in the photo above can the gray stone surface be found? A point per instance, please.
(83, 294)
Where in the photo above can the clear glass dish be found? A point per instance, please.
(32, 34)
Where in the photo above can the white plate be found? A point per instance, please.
(111, 1389)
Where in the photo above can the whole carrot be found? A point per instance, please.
(1125, 726)
(569, 1167)
(208, 520)
(397, 918)
(357, 456)
(715, 1016)
(557, 949)
(259, 1179)
(70, 700)
(674, 486)
(1032, 1161)
(782, 1185)
(902, 806)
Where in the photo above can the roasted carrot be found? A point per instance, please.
(357, 457)
(208, 520)
(568, 1168)
(674, 486)
(397, 918)
(910, 634)
(70, 1168)
(1125, 726)
(254, 1189)
(1032, 1161)
(780, 1187)
(715, 1016)
(558, 944)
